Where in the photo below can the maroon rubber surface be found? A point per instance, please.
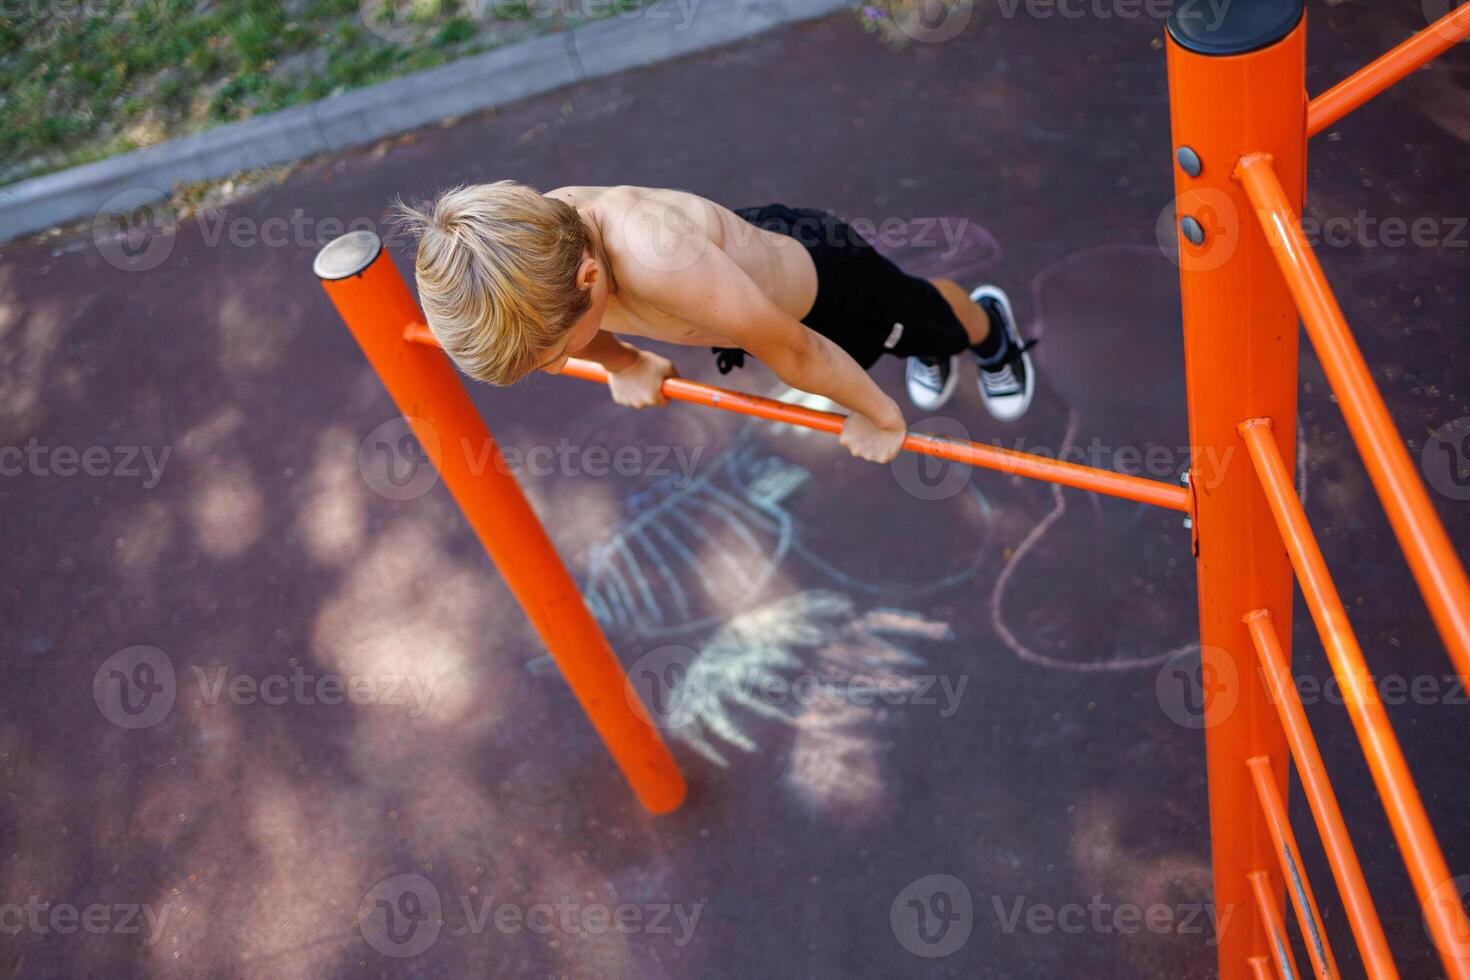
(259, 830)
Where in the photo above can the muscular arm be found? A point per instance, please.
(716, 292)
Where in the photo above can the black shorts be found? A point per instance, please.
(865, 304)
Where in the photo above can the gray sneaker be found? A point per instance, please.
(1008, 382)
(931, 381)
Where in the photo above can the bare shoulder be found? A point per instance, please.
(652, 234)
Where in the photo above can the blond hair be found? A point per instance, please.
(497, 275)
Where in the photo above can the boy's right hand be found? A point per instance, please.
(640, 384)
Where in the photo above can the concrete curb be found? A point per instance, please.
(660, 31)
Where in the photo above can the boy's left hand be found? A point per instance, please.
(864, 439)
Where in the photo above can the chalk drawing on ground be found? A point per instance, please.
(743, 672)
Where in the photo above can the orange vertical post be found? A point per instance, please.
(376, 304)
(1236, 85)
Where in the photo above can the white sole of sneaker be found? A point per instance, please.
(1008, 414)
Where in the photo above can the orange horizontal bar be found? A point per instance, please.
(1427, 548)
(1417, 843)
(956, 450)
(1273, 807)
(1372, 80)
(1356, 900)
(1275, 925)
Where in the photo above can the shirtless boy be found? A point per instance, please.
(514, 281)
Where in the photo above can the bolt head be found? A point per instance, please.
(1189, 161)
(1192, 230)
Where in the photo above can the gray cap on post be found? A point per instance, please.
(1235, 27)
(347, 255)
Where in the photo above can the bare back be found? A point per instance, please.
(647, 233)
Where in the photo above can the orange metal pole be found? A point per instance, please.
(1289, 857)
(1265, 894)
(1427, 869)
(1430, 555)
(1374, 79)
(1367, 930)
(375, 302)
(1235, 86)
(1260, 968)
(956, 450)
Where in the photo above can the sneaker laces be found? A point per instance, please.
(997, 378)
(1000, 381)
(929, 373)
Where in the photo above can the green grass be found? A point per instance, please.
(81, 80)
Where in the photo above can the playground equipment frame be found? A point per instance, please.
(1240, 119)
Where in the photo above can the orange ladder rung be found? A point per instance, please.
(1308, 918)
(1343, 860)
(1275, 925)
(1406, 816)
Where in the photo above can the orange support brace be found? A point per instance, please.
(1427, 869)
(1240, 359)
(1431, 557)
(375, 302)
(1289, 857)
(1362, 916)
(1260, 968)
(1393, 67)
